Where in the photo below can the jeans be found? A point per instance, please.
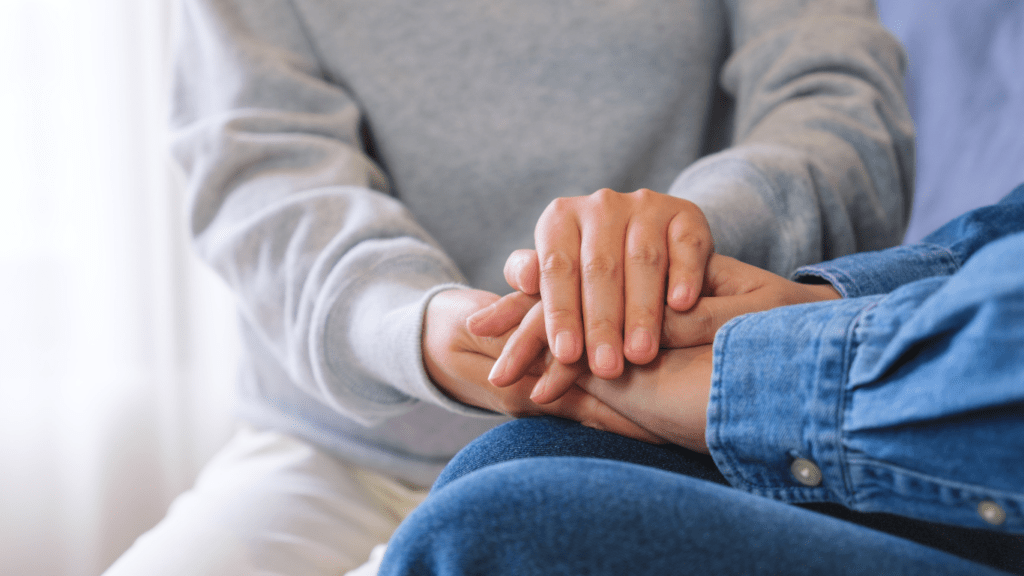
(546, 496)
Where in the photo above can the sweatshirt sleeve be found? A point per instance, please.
(908, 403)
(821, 157)
(941, 253)
(329, 270)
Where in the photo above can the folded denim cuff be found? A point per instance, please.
(871, 273)
(775, 409)
(941, 253)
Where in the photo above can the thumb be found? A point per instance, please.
(699, 324)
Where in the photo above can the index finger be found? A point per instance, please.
(689, 247)
(523, 346)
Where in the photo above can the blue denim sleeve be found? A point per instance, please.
(910, 403)
(941, 253)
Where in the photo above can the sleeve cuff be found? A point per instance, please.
(751, 219)
(420, 386)
(881, 272)
(775, 407)
(368, 358)
(395, 353)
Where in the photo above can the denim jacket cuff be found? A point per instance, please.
(775, 406)
(870, 273)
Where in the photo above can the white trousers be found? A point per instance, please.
(268, 504)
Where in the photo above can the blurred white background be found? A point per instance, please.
(117, 349)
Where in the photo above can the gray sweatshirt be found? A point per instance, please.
(348, 159)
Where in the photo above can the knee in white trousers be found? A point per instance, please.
(269, 503)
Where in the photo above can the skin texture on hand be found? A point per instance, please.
(730, 288)
(668, 397)
(733, 288)
(602, 263)
(459, 361)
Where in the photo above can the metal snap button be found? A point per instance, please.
(806, 472)
(991, 512)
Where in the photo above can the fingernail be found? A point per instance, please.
(641, 341)
(539, 389)
(565, 346)
(604, 358)
(680, 293)
(497, 371)
(520, 279)
(476, 317)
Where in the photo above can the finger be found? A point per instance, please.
(727, 276)
(602, 277)
(689, 246)
(463, 377)
(646, 260)
(501, 316)
(522, 348)
(540, 364)
(558, 252)
(699, 324)
(487, 347)
(589, 411)
(522, 271)
(556, 380)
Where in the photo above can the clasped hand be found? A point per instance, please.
(602, 262)
(611, 288)
(667, 397)
(458, 362)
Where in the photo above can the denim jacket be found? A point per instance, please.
(906, 396)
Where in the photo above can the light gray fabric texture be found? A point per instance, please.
(347, 159)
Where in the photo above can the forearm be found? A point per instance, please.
(907, 403)
(328, 269)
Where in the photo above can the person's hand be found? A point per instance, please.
(730, 288)
(603, 261)
(733, 288)
(458, 362)
(668, 397)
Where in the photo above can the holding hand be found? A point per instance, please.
(602, 264)
(731, 288)
(668, 397)
(458, 362)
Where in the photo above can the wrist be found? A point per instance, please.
(822, 292)
(442, 342)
